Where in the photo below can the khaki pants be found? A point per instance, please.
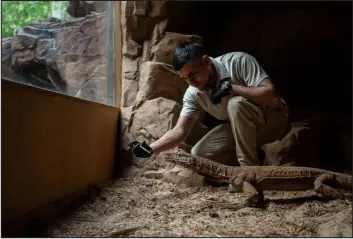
(250, 127)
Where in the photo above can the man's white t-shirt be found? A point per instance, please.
(242, 68)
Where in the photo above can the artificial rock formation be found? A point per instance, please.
(144, 35)
(155, 117)
(65, 56)
(137, 20)
(86, 41)
(163, 50)
(300, 146)
(152, 92)
(159, 80)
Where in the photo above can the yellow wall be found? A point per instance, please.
(51, 146)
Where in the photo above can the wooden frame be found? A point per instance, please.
(118, 54)
(52, 146)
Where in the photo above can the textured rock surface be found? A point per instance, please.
(138, 21)
(27, 57)
(130, 76)
(126, 113)
(152, 91)
(283, 151)
(80, 52)
(66, 56)
(145, 39)
(95, 87)
(301, 146)
(183, 177)
(135, 66)
(159, 80)
(155, 117)
(155, 174)
(163, 51)
(148, 123)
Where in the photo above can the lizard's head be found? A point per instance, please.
(180, 158)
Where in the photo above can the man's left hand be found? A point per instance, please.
(222, 90)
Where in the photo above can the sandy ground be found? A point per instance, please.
(159, 209)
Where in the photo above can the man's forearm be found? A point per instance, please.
(169, 140)
(260, 95)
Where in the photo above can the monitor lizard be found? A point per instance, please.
(254, 179)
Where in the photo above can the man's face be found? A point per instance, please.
(196, 72)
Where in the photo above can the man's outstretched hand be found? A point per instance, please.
(141, 149)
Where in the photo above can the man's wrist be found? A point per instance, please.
(234, 89)
(153, 147)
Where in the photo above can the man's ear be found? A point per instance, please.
(206, 59)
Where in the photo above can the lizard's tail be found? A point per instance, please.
(344, 181)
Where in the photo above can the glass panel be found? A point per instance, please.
(62, 46)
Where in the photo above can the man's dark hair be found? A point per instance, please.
(186, 52)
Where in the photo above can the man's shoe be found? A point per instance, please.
(233, 189)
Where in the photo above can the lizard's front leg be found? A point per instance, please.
(252, 195)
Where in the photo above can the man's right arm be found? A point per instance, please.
(175, 136)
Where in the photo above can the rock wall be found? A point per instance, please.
(64, 56)
(152, 91)
(145, 39)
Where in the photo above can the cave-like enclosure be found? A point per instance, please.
(305, 47)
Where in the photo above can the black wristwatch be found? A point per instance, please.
(221, 91)
(225, 86)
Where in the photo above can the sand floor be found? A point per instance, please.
(160, 209)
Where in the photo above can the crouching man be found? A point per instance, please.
(233, 88)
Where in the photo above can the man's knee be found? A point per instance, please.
(196, 150)
(235, 105)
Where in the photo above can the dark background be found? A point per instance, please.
(305, 47)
